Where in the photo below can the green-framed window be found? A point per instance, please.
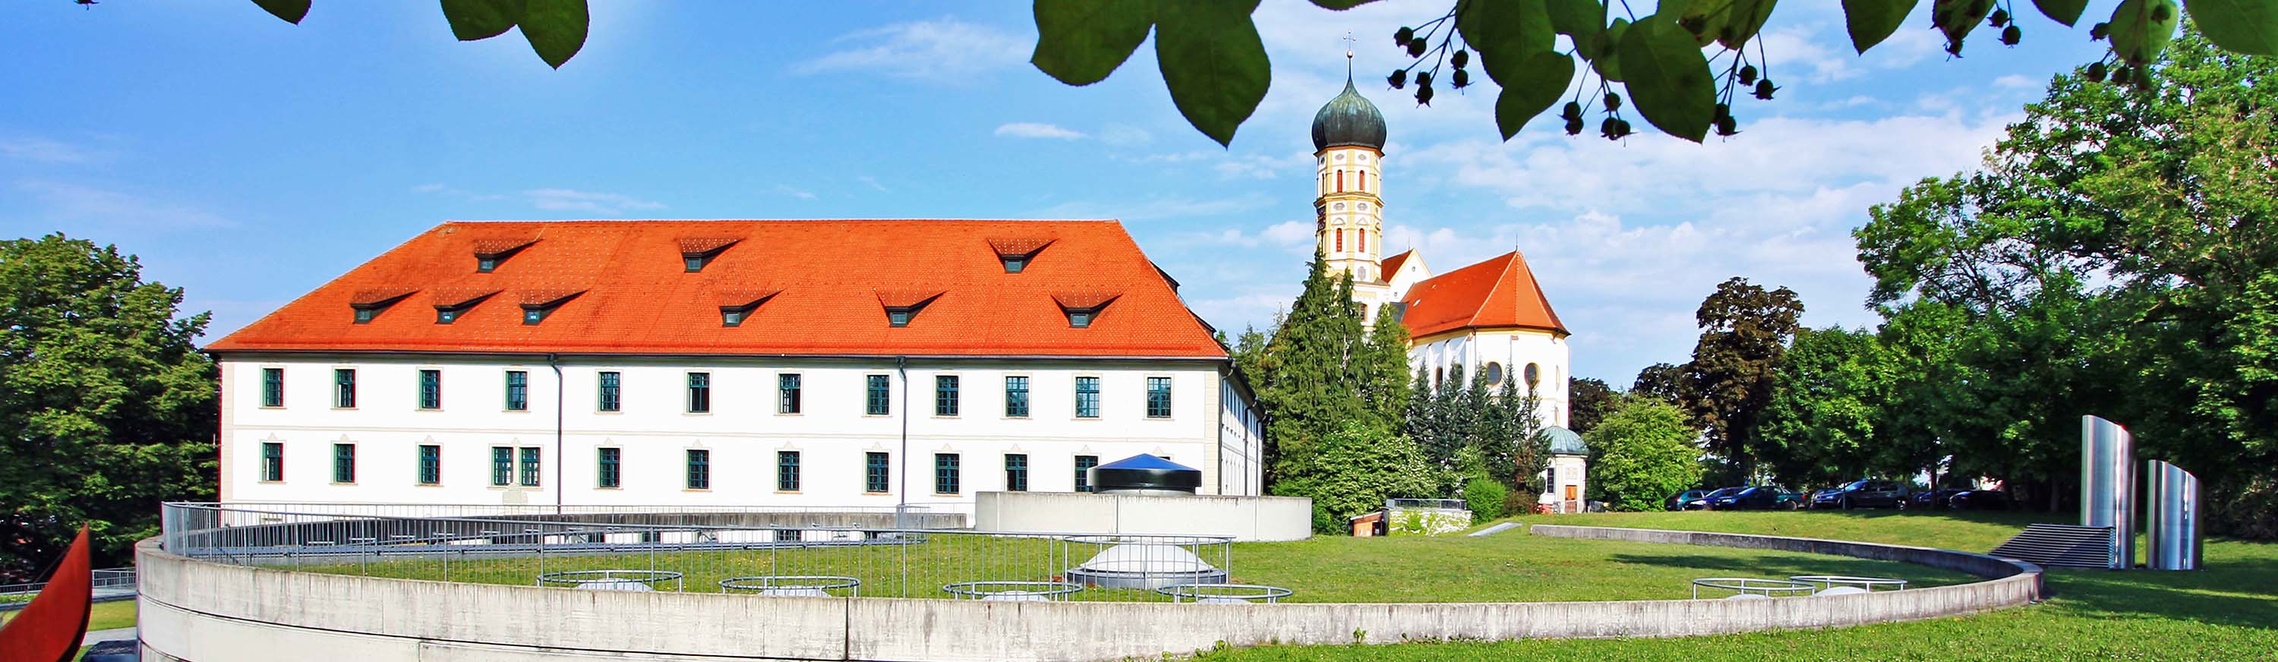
(611, 469)
(272, 461)
(1016, 397)
(1158, 397)
(1087, 397)
(699, 469)
(430, 464)
(877, 472)
(945, 395)
(881, 400)
(945, 473)
(517, 390)
(430, 389)
(530, 465)
(1084, 464)
(787, 471)
(1016, 472)
(272, 387)
(501, 466)
(343, 463)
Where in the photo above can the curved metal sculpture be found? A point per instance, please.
(50, 628)
(2108, 486)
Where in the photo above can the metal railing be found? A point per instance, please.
(700, 548)
(14, 596)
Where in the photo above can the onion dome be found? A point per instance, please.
(1348, 120)
(1564, 441)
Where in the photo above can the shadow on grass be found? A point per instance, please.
(2241, 591)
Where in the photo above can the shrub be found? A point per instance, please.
(1485, 498)
(1649, 454)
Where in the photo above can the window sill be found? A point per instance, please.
(695, 413)
(344, 409)
(695, 489)
(786, 491)
(269, 482)
(272, 407)
(346, 484)
(427, 485)
(877, 494)
(948, 494)
(877, 415)
(788, 413)
(523, 410)
(609, 412)
(1011, 417)
(946, 417)
(612, 489)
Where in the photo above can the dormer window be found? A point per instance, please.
(902, 307)
(370, 303)
(537, 305)
(1016, 253)
(489, 253)
(450, 306)
(1083, 308)
(697, 252)
(738, 305)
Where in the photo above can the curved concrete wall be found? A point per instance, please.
(206, 611)
(1246, 518)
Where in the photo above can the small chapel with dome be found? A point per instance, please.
(1489, 317)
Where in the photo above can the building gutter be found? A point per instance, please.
(561, 390)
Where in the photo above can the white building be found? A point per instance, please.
(791, 363)
(1489, 316)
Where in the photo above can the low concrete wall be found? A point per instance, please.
(205, 611)
(1246, 518)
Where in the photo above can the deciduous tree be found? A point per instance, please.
(106, 406)
(1647, 454)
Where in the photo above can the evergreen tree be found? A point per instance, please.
(1384, 369)
(1311, 388)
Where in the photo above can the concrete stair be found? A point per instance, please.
(2060, 546)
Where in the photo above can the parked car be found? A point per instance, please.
(1761, 497)
(1706, 499)
(1979, 500)
(1863, 494)
(1822, 498)
(1932, 499)
(1678, 500)
(1788, 499)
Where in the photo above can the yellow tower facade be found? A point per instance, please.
(1348, 207)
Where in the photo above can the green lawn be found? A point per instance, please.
(2229, 611)
(1511, 567)
(103, 616)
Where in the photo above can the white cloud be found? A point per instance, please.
(65, 201)
(42, 150)
(871, 181)
(1124, 135)
(787, 189)
(943, 50)
(1037, 130)
(587, 202)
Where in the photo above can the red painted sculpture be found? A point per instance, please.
(50, 628)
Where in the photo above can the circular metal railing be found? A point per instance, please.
(798, 586)
(1224, 593)
(1011, 591)
(612, 580)
(1750, 586)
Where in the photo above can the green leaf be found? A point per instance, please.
(1608, 60)
(2142, 28)
(2062, 11)
(1872, 21)
(482, 19)
(1746, 19)
(1213, 62)
(290, 10)
(1514, 27)
(1957, 18)
(1581, 20)
(1540, 82)
(555, 28)
(1668, 78)
(1700, 18)
(2239, 26)
(1340, 5)
(1080, 42)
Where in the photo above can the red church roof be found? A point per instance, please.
(811, 288)
(1391, 265)
(1499, 293)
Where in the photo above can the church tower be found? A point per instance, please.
(1348, 147)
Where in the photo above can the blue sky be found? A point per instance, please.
(248, 161)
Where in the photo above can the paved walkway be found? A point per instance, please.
(126, 634)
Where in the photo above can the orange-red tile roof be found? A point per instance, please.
(821, 285)
(1391, 265)
(1499, 293)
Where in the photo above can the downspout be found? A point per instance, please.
(901, 510)
(560, 391)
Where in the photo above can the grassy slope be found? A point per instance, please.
(2228, 611)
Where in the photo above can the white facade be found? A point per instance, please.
(743, 436)
(1502, 352)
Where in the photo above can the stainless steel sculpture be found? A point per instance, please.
(2172, 521)
(2108, 485)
